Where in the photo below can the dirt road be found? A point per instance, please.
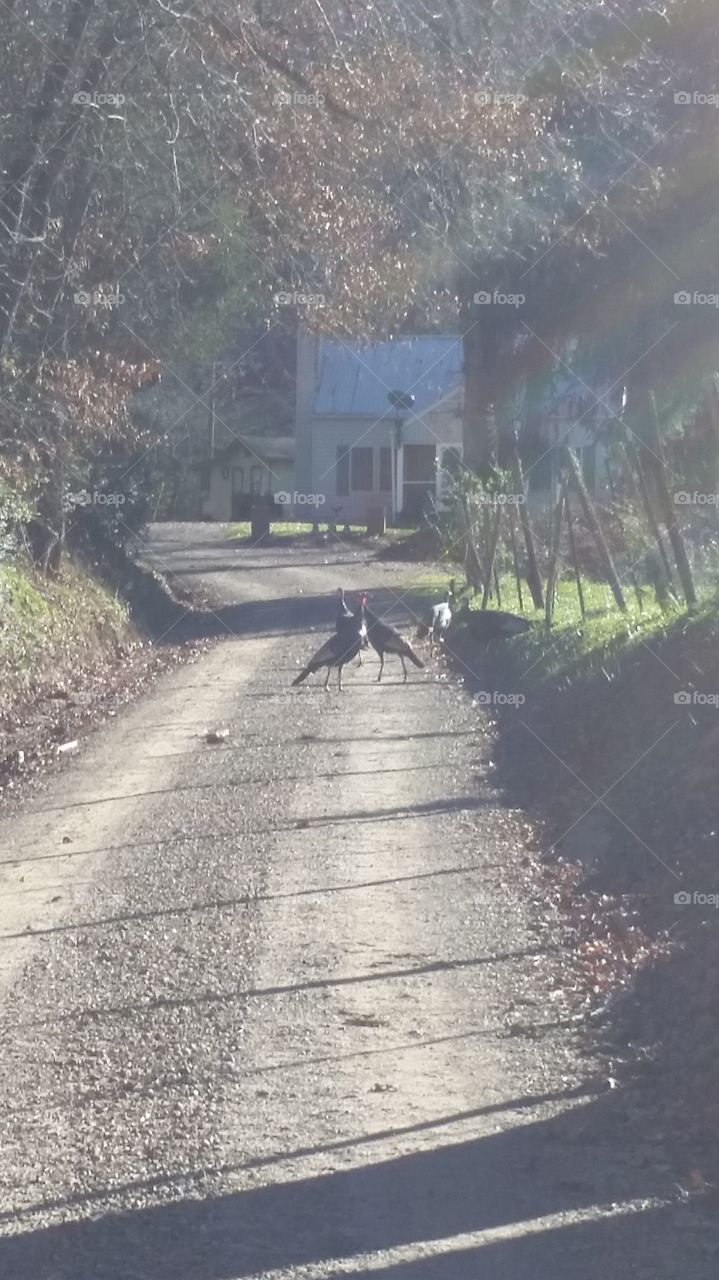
(284, 1007)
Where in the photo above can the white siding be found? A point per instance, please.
(441, 426)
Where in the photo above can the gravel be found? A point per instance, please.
(284, 1004)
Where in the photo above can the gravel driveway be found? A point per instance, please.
(286, 1006)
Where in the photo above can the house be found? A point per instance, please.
(362, 443)
(245, 470)
(574, 410)
(378, 424)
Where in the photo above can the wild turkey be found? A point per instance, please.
(340, 649)
(439, 620)
(492, 624)
(384, 639)
(344, 614)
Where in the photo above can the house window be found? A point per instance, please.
(343, 472)
(362, 470)
(256, 479)
(238, 479)
(385, 470)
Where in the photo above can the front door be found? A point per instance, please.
(420, 479)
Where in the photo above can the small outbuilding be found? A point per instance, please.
(246, 470)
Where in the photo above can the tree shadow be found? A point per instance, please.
(287, 615)
(438, 1198)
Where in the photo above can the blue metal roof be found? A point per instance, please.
(355, 378)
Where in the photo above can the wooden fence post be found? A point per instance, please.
(534, 579)
(592, 520)
(669, 510)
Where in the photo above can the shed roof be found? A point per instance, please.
(270, 447)
(354, 378)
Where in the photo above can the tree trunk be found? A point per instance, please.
(47, 529)
(480, 350)
(56, 74)
(37, 204)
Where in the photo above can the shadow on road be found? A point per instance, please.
(288, 615)
(441, 1196)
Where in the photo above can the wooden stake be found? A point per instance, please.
(659, 469)
(554, 557)
(637, 472)
(497, 588)
(592, 520)
(534, 578)
(491, 553)
(472, 565)
(515, 557)
(575, 561)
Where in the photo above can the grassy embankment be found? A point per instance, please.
(614, 754)
(64, 648)
(52, 631)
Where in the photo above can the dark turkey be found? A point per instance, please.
(492, 624)
(384, 639)
(344, 614)
(340, 649)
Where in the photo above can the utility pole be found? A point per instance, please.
(399, 400)
(212, 410)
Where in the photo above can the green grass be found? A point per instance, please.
(573, 649)
(298, 529)
(49, 628)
